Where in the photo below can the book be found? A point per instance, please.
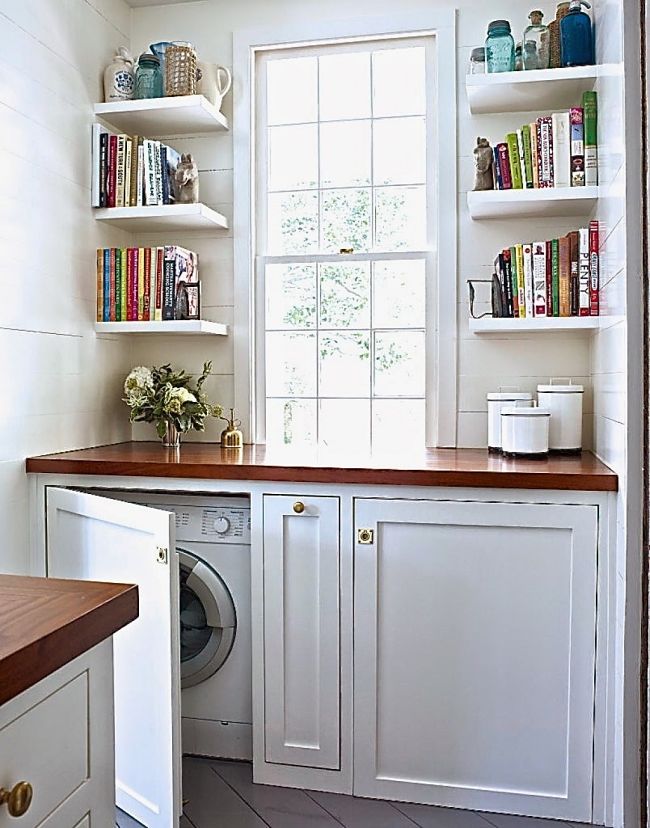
(146, 292)
(128, 165)
(594, 268)
(549, 278)
(565, 276)
(504, 166)
(545, 151)
(160, 261)
(513, 157)
(512, 266)
(169, 287)
(116, 315)
(577, 147)
(112, 171)
(165, 175)
(521, 281)
(100, 285)
(507, 279)
(584, 274)
(123, 305)
(158, 169)
(111, 262)
(528, 279)
(534, 153)
(135, 165)
(555, 275)
(529, 180)
(498, 179)
(539, 278)
(574, 277)
(139, 187)
(522, 157)
(561, 149)
(120, 167)
(106, 316)
(590, 118)
(132, 285)
(103, 169)
(95, 184)
(150, 191)
(140, 293)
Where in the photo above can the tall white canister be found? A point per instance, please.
(496, 401)
(564, 400)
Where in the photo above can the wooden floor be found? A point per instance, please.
(222, 795)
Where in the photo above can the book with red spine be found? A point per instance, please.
(594, 268)
(549, 278)
(160, 264)
(146, 305)
(111, 181)
(129, 286)
(504, 166)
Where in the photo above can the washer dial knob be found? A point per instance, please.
(221, 525)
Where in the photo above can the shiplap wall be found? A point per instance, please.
(484, 364)
(61, 385)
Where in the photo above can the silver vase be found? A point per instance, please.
(172, 436)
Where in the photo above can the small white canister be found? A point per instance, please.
(565, 404)
(525, 431)
(496, 401)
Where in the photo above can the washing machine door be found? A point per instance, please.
(208, 620)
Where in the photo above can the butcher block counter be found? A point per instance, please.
(430, 467)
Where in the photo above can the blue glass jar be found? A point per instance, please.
(576, 36)
(148, 77)
(500, 47)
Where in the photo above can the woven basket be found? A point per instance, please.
(180, 70)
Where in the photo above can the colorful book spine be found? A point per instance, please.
(133, 187)
(123, 302)
(132, 297)
(512, 262)
(565, 277)
(534, 153)
(95, 180)
(561, 149)
(146, 287)
(128, 164)
(507, 280)
(590, 116)
(522, 157)
(100, 285)
(528, 279)
(555, 275)
(574, 245)
(521, 281)
(539, 278)
(549, 278)
(576, 117)
(103, 169)
(119, 170)
(111, 306)
(585, 275)
(117, 300)
(594, 268)
(545, 151)
(504, 166)
(140, 284)
(112, 170)
(528, 157)
(515, 163)
(107, 285)
(169, 284)
(160, 266)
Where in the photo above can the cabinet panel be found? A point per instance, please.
(474, 655)
(302, 631)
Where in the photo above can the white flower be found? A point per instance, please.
(138, 382)
(183, 395)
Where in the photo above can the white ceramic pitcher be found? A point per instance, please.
(214, 82)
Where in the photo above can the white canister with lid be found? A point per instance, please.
(564, 400)
(524, 431)
(498, 400)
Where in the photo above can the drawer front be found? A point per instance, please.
(47, 746)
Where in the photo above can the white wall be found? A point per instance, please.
(484, 364)
(60, 384)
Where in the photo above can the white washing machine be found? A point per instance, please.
(213, 545)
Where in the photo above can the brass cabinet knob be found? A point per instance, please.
(18, 799)
(298, 507)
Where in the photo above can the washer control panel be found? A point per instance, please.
(213, 524)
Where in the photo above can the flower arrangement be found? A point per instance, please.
(167, 398)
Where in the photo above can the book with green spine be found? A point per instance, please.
(118, 285)
(555, 276)
(590, 110)
(528, 156)
(123, 290)
(515, 166)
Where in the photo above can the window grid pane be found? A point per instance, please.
(359, 370)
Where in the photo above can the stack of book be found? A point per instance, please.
(559, 150)
(147, 284)
(131, 171)
(549, 278)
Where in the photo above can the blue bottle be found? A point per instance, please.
(577, 37)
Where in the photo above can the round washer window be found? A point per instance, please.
(195, 631)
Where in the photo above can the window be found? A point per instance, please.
(345, 310)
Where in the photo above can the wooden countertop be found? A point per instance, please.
(430, 467)
(46, 623)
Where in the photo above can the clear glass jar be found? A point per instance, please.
(519, 63)
(148, 77)
(500, 47)
(477, 61)
(536, 43)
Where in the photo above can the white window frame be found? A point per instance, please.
(441, 338)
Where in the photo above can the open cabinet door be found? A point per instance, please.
(100, 539)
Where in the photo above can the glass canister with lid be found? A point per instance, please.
(148, 77)
(477, 61)
(500, 47)
(564, 400)
(496, 401)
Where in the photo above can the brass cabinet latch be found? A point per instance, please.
(365, 536)
(162, 554)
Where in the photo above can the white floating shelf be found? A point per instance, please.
(537, 90)
(166, 217)
(540, 203)
(163, 117)
(490, 326)
(187, 327)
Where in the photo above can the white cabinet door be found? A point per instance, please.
(474, 655)
(301, 632)
(108, 540)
